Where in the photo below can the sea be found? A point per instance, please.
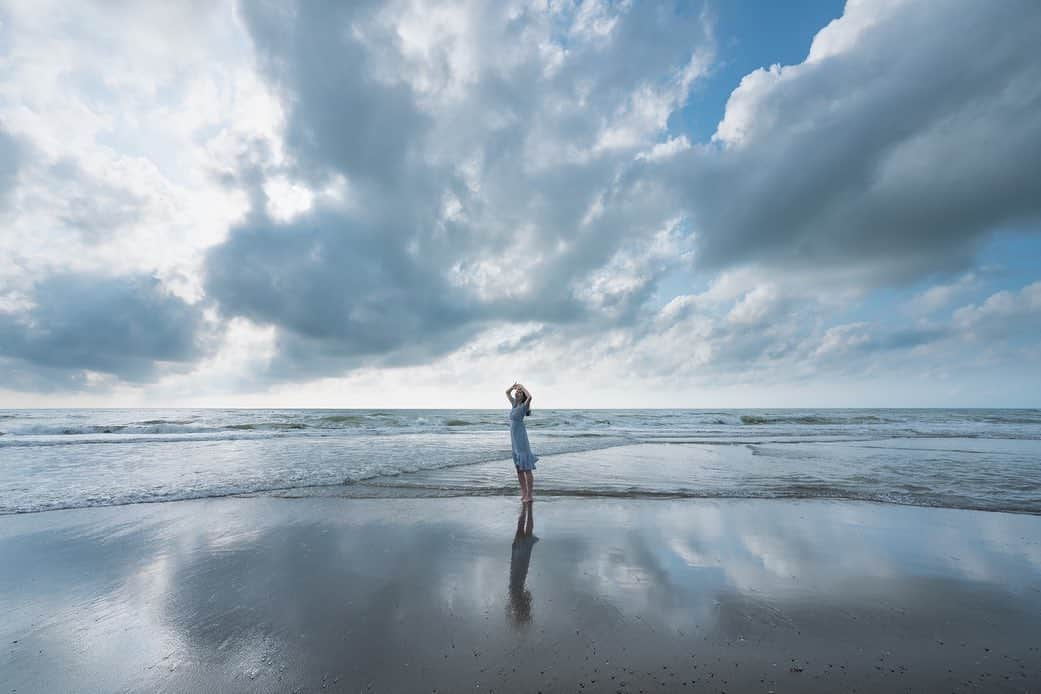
(985, 459)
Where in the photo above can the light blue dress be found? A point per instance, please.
(523, 458)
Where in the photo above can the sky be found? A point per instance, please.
(619, 204)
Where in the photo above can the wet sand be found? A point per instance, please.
(444, 595)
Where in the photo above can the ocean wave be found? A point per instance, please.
(382, 486)
(152, 422)
(19, 442)
(910, 496)
(65, 430)
(277, 426)
(751, 419)
(1006, 419)
(147, 427)
(348, 419)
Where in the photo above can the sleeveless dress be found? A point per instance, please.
(523, 458)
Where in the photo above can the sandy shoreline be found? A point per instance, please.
(261, 594)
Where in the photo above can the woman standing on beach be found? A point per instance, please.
(523, 458)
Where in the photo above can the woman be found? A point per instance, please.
(523, 458)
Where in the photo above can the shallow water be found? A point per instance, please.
(983, 459)
(440, 595)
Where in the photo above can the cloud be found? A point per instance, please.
(743, 329)
(339, 289)
(94, 208)
(544, 207)
(359, 190)
(1003, 315)
(480, 175)
(942, 295)
(126, 327)
(340, 117)
(858, 340)
(907, 136)
(10, 156)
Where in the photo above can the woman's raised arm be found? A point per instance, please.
(527, 396)
(509, 394)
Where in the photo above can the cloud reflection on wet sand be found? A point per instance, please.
(248, 594)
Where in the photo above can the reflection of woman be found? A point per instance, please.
(523, 458)
(524, 540)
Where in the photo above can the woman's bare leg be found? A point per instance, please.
(529, 480)
(521, 481)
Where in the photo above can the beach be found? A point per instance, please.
(764, 277)
(256, 593)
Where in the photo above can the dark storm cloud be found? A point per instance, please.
(384, 280)
(339, 117)
(116, 325)
(891, 157)
(339, 289)
(339, 284)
